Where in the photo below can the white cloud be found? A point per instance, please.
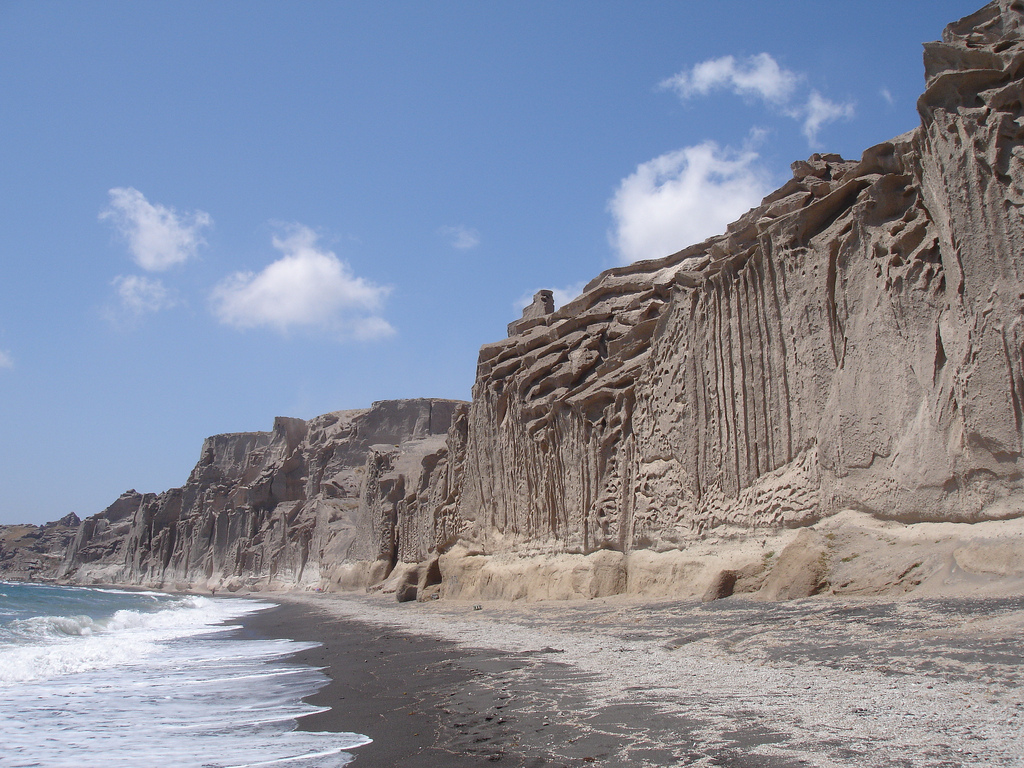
(886, 94)
(370, 328)
(820, 111)
(307, 287)
(759, 76)
(462, 237)
(142, 294)
(563, 296)
(6, 361)
(158, 237)
(684, 197)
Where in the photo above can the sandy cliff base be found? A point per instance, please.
(617, 682)
(848, 554)
(851, 553)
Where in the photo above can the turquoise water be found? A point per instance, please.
(101, 677)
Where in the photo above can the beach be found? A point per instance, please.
(619, 682)
(388, 684)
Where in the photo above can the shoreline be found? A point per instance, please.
(418, 698)
(618, 682)
(828, 681)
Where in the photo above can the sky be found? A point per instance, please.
(219, 213)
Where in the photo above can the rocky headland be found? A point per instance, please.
(828, 397)
(32, 552)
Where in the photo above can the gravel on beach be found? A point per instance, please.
(620, 682)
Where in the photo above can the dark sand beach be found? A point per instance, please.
(397, 688)
(426, 701)
(625, 683)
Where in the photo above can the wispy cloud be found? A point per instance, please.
(6, 361)
(886, 94)
(763, 78)
(140, 294)
(688, 195)
(759, 76)
(461, 237)
(307, 287)
(563, 296)
(819, 111)
(684, 197)
(158, 237)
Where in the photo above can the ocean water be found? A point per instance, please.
(117, 679)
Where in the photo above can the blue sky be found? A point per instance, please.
(217, 213)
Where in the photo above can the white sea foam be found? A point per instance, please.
(41, 647)
(134, 592)
(134, 688)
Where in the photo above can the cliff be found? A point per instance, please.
(337, 499)
(844, 365)
(853, 343)
(36, 552)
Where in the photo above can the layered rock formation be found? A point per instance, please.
(322, 500)
(36, 552)
(853, 343)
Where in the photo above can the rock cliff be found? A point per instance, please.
(337, 499)
(852, 349)
(855, 342)
(35, 552)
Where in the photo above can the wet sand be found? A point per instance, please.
(425, 701)
(616, 682)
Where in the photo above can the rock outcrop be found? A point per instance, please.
(855, 344)
(36, 552)
(543, 304)
(335, 500)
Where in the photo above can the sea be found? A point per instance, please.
(113, 678)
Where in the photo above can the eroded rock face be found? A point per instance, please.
(308, 504)
(35, 552)
(543, 304)
(853, 342)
